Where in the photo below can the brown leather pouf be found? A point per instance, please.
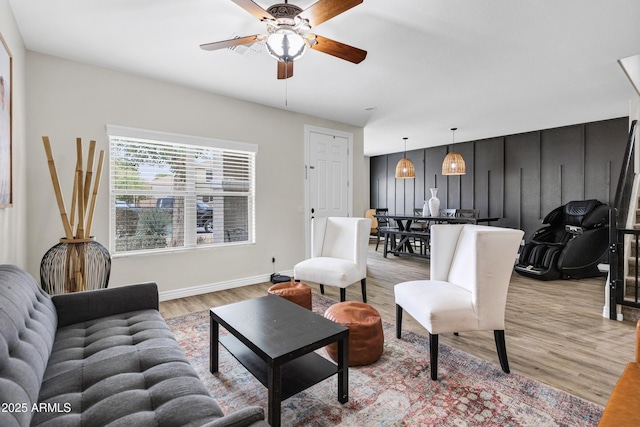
(366, 340)
(296, 292)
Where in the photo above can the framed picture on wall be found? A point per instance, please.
(6, 181)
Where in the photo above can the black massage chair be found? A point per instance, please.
(575, 240)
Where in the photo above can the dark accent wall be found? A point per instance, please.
(519, 178)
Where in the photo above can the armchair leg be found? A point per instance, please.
(363, 284)
(502, 350)
(343, 294)
(321, 288)
(398, 321)
(433, 355)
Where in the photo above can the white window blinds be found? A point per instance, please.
(173, 191)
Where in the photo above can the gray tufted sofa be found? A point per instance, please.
(97, 358)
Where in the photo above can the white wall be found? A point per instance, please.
(67, 99)
(13, 220)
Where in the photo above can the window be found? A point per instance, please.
(172, 192)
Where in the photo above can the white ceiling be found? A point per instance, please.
(490, 67)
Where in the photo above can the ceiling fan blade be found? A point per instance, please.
(285, 70)
(230, 43)
(254, 9)
(339, 50)
(324, 10)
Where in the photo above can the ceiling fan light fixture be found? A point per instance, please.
(286, 41)
(286, 45)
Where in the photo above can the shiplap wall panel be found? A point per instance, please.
(519, 177)
(602, 162)
(522, 207)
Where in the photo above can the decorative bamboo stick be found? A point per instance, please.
(94, 196)
(74, 200)
(69, 280)
(56, 188)
(81, 267)
(81, 207)
(89, 174)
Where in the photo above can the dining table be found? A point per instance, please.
(407, 232)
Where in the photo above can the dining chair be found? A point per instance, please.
(449, 213)
(374, 222)
(421, 225)
(467, 213)
(470, 270)
(385, 230)
(339, 248)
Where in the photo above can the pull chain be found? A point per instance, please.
(286, 84)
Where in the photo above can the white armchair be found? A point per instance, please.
(471, 267)
(338, 254)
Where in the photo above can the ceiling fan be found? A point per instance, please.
(288, 39)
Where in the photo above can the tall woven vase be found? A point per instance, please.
(75, 265)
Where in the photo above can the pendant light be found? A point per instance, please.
(453, 163)
(405, 168)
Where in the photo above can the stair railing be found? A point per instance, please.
(618, 215)
(624, 189)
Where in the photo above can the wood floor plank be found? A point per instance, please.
(555, 332)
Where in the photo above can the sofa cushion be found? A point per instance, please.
(27, 329)
(125, 369)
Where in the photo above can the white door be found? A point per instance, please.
(328, 180)
(328, 174)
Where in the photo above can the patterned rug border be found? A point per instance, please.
(396, 390)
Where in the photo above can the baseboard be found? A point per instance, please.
(214, 287)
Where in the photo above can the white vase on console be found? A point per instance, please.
(434, 202)
(425, 208)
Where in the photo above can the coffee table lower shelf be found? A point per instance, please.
(297, 374)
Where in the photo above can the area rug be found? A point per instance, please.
(396, 390)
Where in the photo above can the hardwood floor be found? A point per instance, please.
(555, 330)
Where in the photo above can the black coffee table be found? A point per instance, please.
(275, 340)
